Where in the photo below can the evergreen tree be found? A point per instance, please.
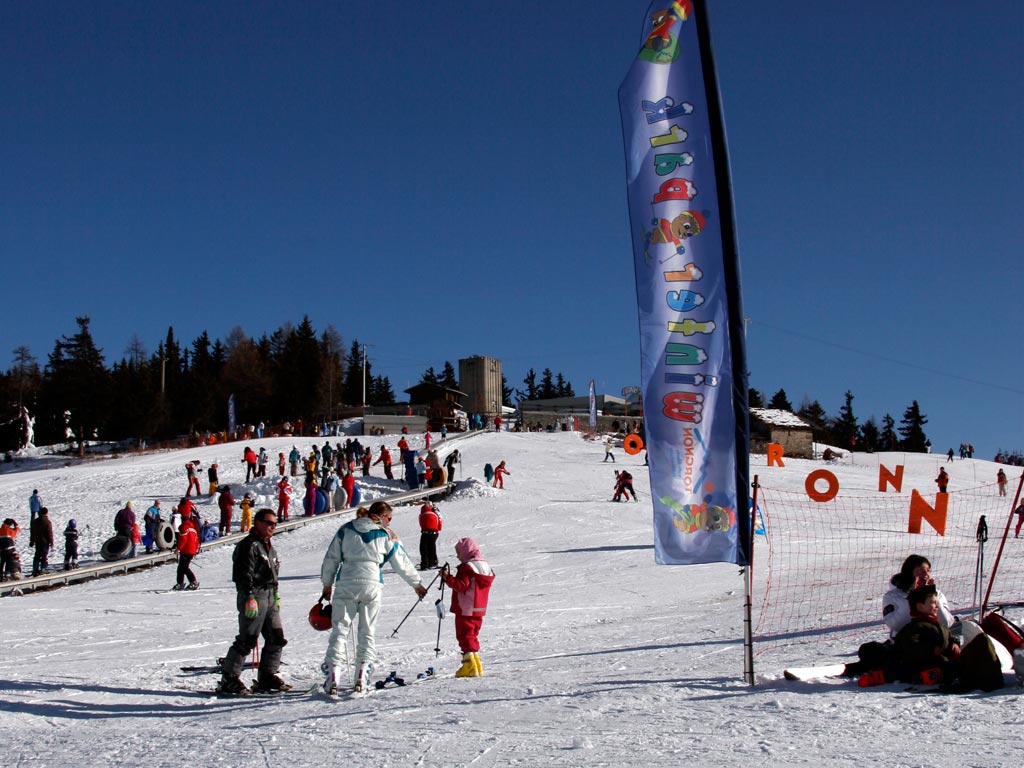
(506, 391)
(754, 398)
(332, 373)
(531, 390)
(19, 392)
(447, 378)
(888, 441)
(781, 402)
(429, 377)
(353, 390)
(870, 436)
(77, 381)
(204, 387)
(812, 413)
(844, 428)
(381, 392)
(912, 428)
(547, 385)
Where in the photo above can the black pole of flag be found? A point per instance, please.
(748, 590)
(734, 304)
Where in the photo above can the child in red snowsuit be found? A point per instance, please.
(283, 499)
(499, 474)
(471, 586)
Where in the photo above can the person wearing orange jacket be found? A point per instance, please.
(10, 563)
(188, 548)
(430, 528)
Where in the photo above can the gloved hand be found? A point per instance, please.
(252, 609)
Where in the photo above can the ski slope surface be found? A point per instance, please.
(593, 655)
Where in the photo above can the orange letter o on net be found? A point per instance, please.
(633, 445)
(828, 477)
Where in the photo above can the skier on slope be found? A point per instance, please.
(623, 486)
(352, 574)
(188, 547)
(255, 570)
(471, 586)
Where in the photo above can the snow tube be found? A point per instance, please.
(339, 498)
(321, 505)
(164, 536)
(632, 445)
(210, 533)
(116, 548)
(356, 496)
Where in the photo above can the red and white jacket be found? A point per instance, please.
(471, 584)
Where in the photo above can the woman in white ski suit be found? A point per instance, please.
(353, 568)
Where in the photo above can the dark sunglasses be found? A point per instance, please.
(269, 523)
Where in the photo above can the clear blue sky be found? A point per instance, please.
(447, 179)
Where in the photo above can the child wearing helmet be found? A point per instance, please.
(71, 545)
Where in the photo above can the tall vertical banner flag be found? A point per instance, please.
(593, 405)
(231, 414)
(692, 356)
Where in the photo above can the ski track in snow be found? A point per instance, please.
(593, 654)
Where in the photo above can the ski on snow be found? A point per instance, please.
(387, 683)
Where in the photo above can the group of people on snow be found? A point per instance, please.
(352, 584)
(925, 639)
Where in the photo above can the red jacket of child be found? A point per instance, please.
(471, 584)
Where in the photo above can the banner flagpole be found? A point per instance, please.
(686, 264)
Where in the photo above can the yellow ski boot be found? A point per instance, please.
(468, 668)
(478, 666)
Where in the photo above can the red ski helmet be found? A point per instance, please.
(320, 617)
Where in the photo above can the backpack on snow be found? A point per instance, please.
(1003, 630)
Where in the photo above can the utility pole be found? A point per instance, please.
(364, 374)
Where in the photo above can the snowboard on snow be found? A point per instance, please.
(814, 673)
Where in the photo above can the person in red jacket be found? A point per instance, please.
(226, 502)
(283, 498)
(499, 474)
(430, 528)
(385, 459)
(249, 458)
(188, 547)
(471, 586)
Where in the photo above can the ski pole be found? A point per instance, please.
(981, 536)
(440, 613)
(418, 601)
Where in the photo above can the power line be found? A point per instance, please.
(893, 360)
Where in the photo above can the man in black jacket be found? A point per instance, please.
(255, 575)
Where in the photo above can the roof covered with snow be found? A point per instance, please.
(777, 417)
